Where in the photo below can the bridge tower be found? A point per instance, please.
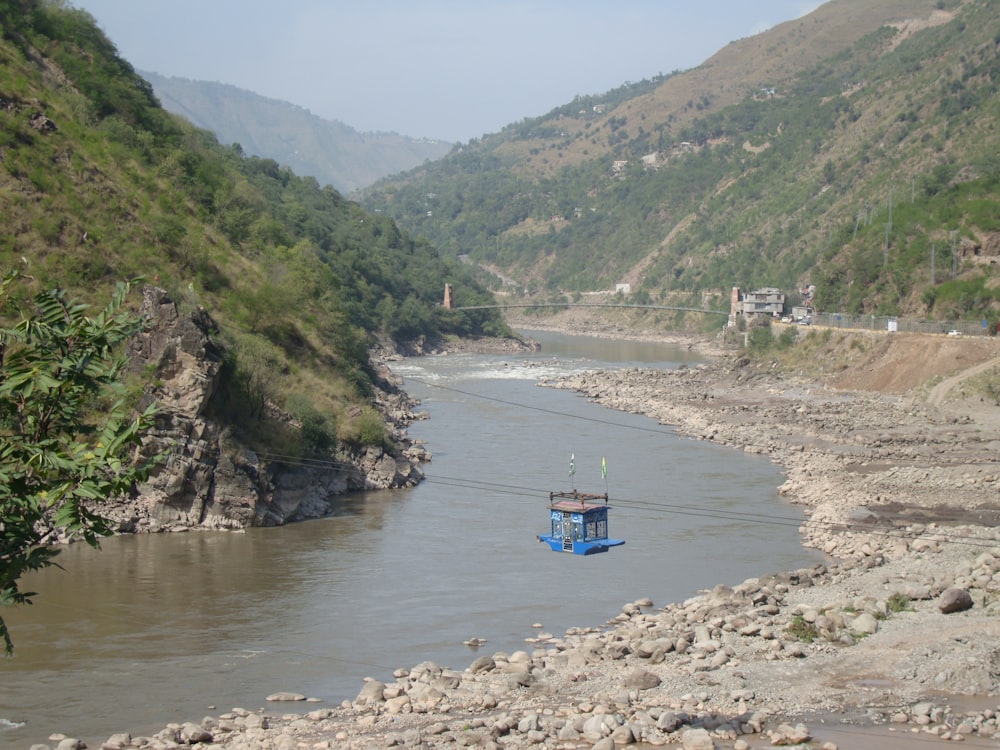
(449, 303)
(735, 306)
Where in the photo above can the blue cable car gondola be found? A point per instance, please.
(579, 524)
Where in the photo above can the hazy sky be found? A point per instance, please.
(445, 69)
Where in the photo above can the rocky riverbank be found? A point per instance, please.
(212, 480)
(897, 633)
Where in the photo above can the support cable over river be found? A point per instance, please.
(592, 304)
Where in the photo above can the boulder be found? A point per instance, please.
(372, 692)
(697, 739)
(284, 697)
(954, 600)
(865, 624)
(193, 734)
(482, 664)
(669, 722)
(641, 679)
(117, 741)
(786, 735)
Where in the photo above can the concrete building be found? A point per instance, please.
(767, 301)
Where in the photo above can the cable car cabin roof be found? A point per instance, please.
(574, 506)
(578, 502)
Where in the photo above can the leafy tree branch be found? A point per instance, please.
(67, 434)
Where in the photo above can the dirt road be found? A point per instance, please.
(940, 391)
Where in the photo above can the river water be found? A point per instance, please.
(154, 629)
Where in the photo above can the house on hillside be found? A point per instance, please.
(767, 301)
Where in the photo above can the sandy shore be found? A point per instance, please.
(896, 637)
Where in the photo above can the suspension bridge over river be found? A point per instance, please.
(537, 305)
(881, 323)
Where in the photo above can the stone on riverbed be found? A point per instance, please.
(285, 697)
(641, 679)
(954, 600)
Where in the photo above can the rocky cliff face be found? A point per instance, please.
(209, 479)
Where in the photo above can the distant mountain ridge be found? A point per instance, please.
(329, 150)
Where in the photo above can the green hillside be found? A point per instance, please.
(854, 149)
(99, 184)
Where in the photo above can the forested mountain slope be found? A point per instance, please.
(99, 184)
(332, 152)
(854, 149)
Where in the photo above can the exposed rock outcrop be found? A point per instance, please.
(210, 480)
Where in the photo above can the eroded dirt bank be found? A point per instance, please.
(899, 631)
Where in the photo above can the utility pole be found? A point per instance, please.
(890, 209)
(954, 256)
(888, 228)
(932, 263)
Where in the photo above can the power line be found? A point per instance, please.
(554, 412)
(636, 504)
(678, 509)
(649, 506)
(716, 514)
